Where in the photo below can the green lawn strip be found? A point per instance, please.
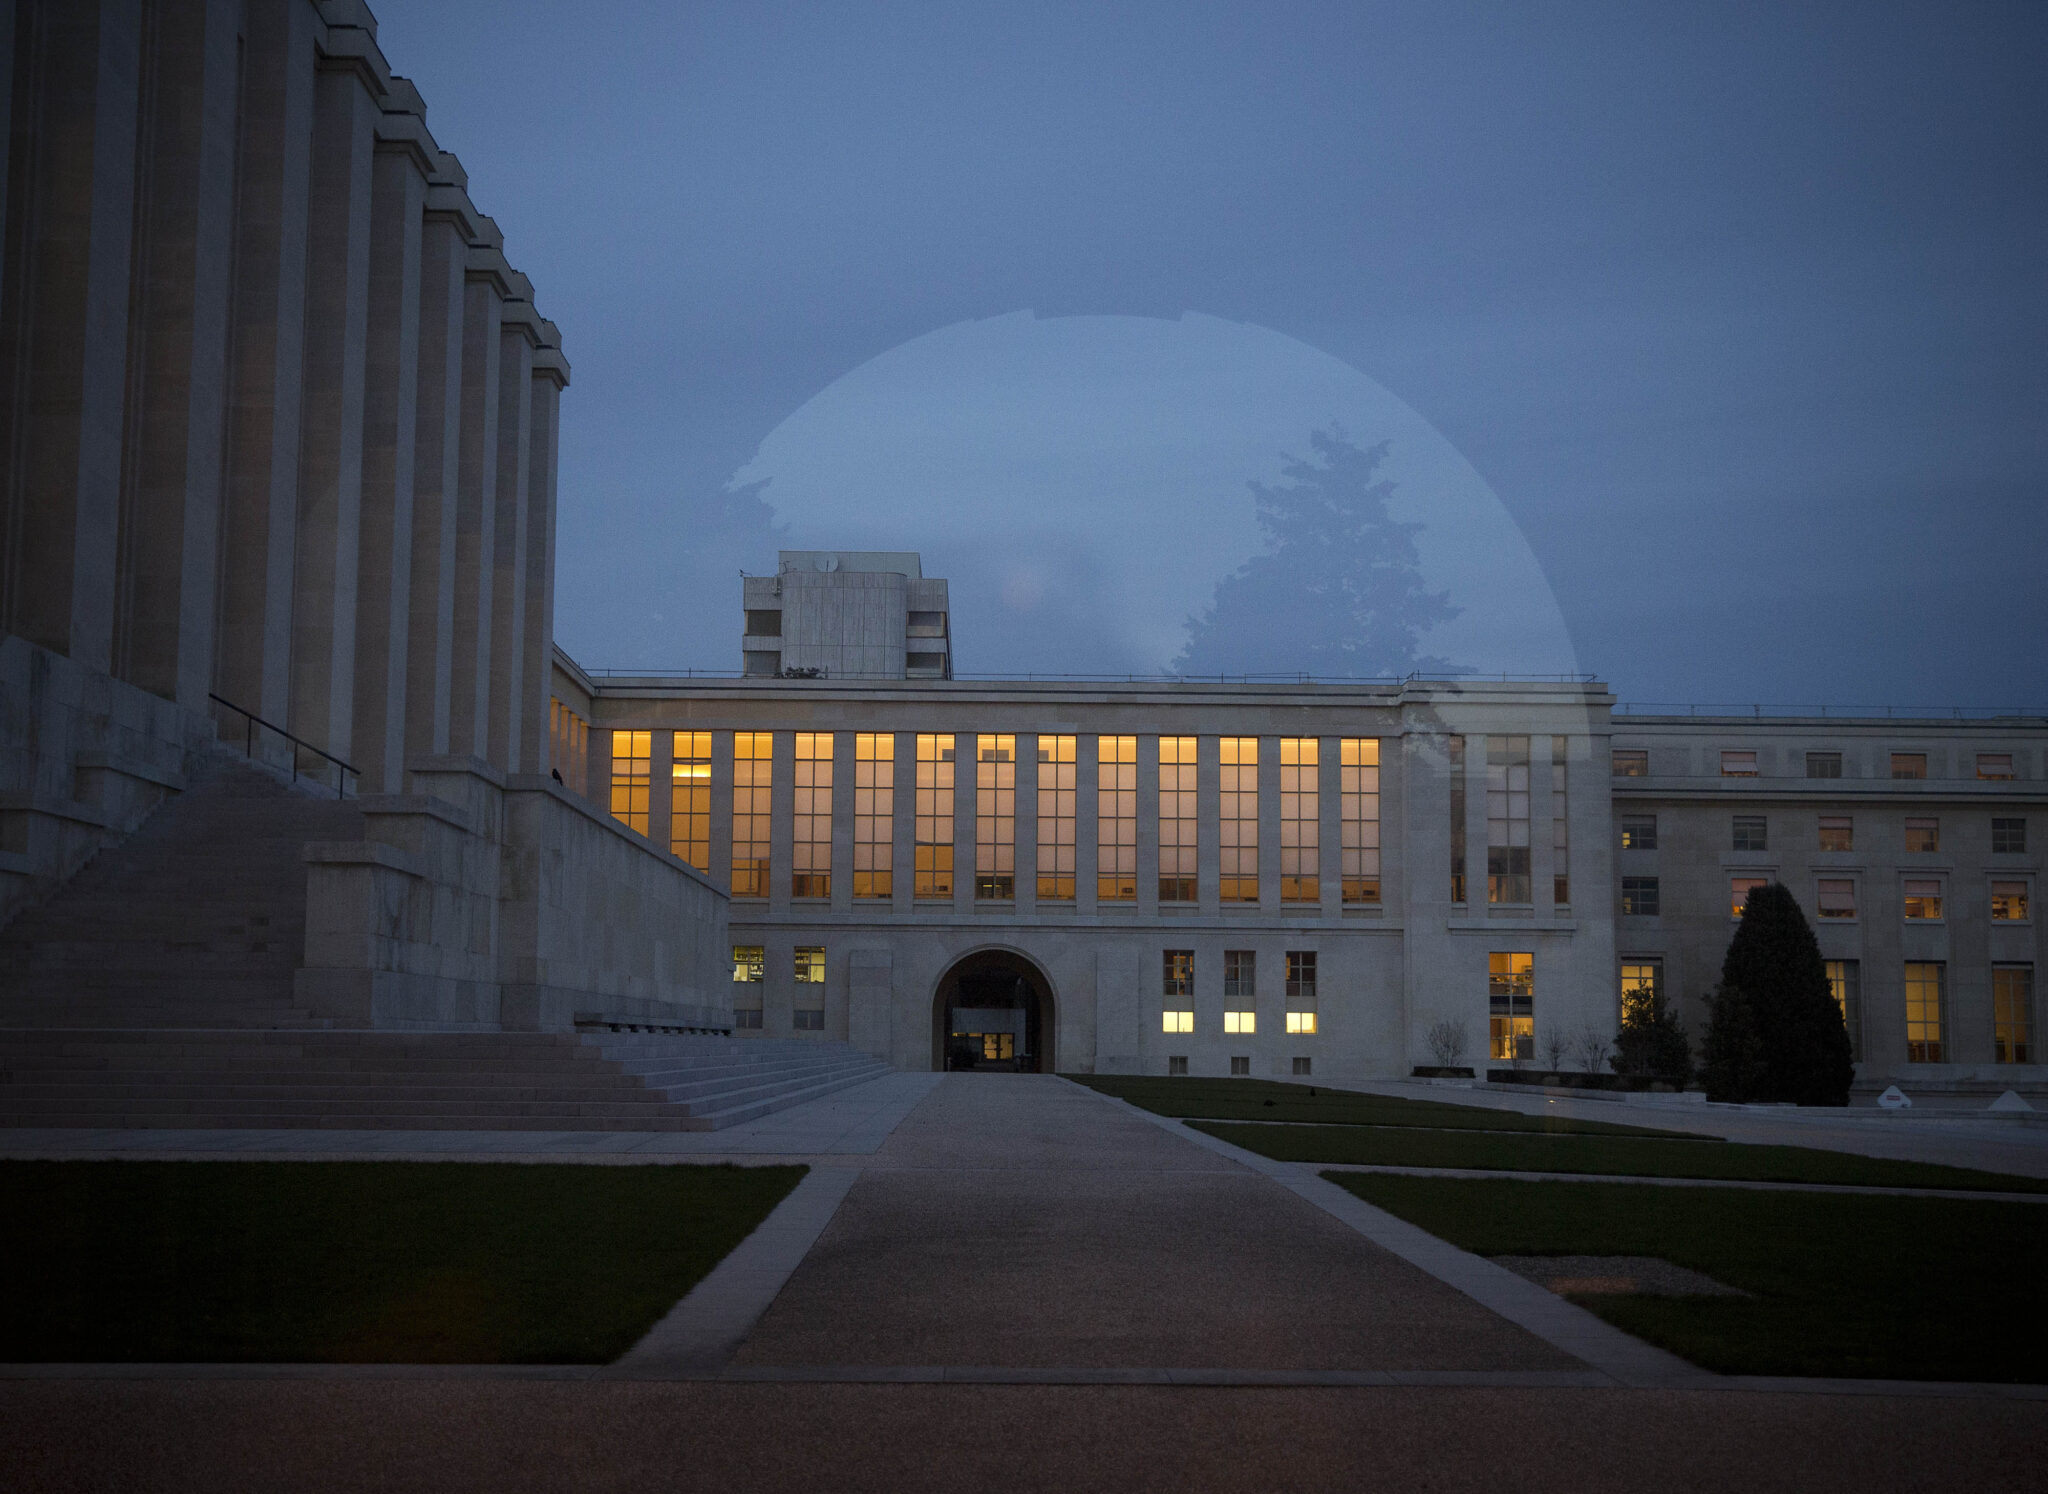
(359, 1262)
(1624, 1156)
(1266, 1099)
(1857, 1285)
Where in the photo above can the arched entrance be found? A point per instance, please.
(993, 1011)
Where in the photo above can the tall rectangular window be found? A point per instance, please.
(1301, 975)
(1926, 992)
(1923, 835)
(1358, 790)
(995, 818)
(1240, 973)
(809, 1013)
(632, 754)
(934, 850)
(1642, 983)
(810, 872)
(2009, 902)
(1301, 854)
(1996, 766)
(1560, 827)
(1507, 820)
(1238, 821)
(1056, 819)
(1909, 765)
(1116, 819)
(1455, 750)
(689, 821)
(1176, 819)
(753, 776)
(1511, 1005)
(874, 814)
(1837, 832)
(1845, 982)
(2012, 1013)
(1823, 765)
(1177, 990)
(749, 966)
(2008, 836)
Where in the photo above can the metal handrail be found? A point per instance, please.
(1767, 712)
(341, 769)
(1028, 677)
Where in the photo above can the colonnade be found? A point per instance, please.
(278, 419)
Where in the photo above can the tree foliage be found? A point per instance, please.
(1780, 1034)
(1652, 1043)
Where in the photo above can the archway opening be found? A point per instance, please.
(993, 1012)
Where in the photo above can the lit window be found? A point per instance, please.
(1507, 819)
(1301, 1023)
(1240, 1068)
(2009, 901)
(1455, 747)
(632, 754)
(1631, 763)
(1056, 819)
(689, 822)
(1923, 898)
(1239, 819)
(1837, 833)
(810, 964)
(934, 847)
(1511, 1003)
(1560, 827)
(995, 818)
(874, 814)
(1738, 764)
(1177, 819)
(1639, 832)
(1300, 820)
(1116, 819)
(2012, 1013)
(1240, 1022)
(1739, 889)
(1996, 766)
(1183, 1021)
(1177, 972)
(1358, 787)
(753, 776)
(1909, 765)
(1639, 896)
(1823, 765)
(1752, 833)
(749, 964)
(1642, 983)
(1240, 972)
(1301, 974)
(811, 854)
(1837, 898)
(2008, 836)
(1925, 988)
(1923, 835)
(1845, 983)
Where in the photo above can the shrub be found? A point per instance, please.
(1732, 1059)
(1447, 1041)
(1652, 1043)
(1774, 983)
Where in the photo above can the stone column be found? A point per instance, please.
(1330, 806)
(398, 197)
(661, 784)
(1148, 826)
(1087, 827)
(781, 820)
(65, 342)
(260, 519)
(449, 225)
(164, 622)
(518, 336)
(966, 774)
(903, 880)
(1269, 823)
(476, 513)
(550, 377)
(1027, 823)
(1208, 831)
(845, 772)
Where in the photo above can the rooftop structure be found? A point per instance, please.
(846, 614)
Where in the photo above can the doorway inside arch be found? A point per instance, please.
(993, 1011)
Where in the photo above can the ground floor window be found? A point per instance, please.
(746, 1016)
(1845, 982)
(1240, 1022)
(2012, 1013)
(1241, 1068)
(1926, 982)
(1511, 1003)
(814, 1021)
(1642, 982)
(1301, 1068)
(1177, 1064)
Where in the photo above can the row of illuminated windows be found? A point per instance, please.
(1300, 781)
(1752, 832)
(1240, 984)
(750, 970)
(1741, 762)
(1922, 899)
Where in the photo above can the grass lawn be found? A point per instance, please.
(1626, 1156)
(358, 1262)
(1267, 1099)
(1859, 1285)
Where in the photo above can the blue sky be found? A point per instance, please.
(1739, 311)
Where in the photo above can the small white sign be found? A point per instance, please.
(2010, 1102)
(1894, 1098)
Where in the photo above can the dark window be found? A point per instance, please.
(1301, 973)
(1240, 972)
(1301, 1068)
(810, 1021)
(1241, 1068)
(1923, 835)
(746, 1016)
(1823, 765)
(1176, 1065)
(925, 661)
(1631, 762)
(1639, 896)
(764, 624)
(1909, 765)
(2009, 836)
(1837, 833)
(1752, 833)
(1639, 832)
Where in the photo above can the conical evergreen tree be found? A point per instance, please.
(1732, 1060)
(1775, 966)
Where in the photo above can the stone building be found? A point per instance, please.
(847, 614)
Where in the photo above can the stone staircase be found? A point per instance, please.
(438, 1081)
(198, 919)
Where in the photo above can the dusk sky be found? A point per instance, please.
(1738, 313)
